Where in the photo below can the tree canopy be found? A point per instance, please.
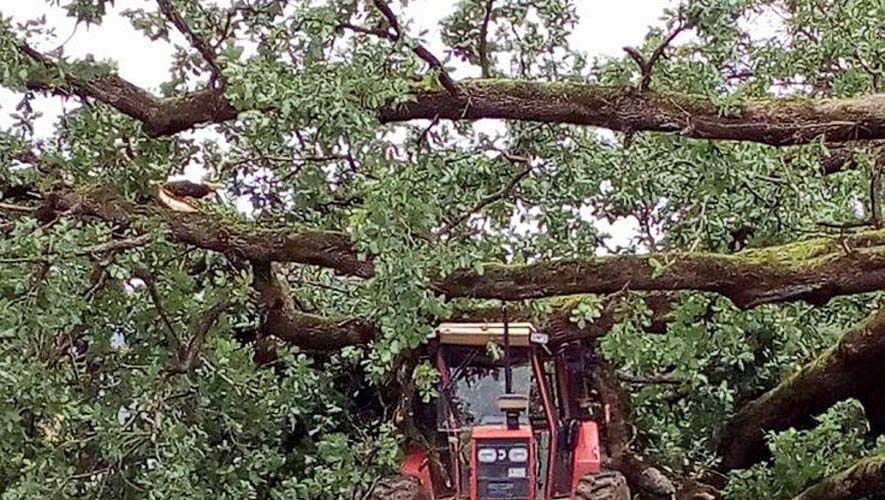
(260, 333)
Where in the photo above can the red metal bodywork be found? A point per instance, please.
(588, 458)
(549, 413)
(416, 465)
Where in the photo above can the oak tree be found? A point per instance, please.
(260, 334)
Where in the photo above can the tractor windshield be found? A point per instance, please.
(475, 381)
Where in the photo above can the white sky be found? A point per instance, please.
(606, 26)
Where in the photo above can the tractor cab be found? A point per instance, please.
(508, 418)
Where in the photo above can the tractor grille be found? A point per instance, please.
(503, 469)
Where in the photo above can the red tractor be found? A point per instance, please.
(512, 421)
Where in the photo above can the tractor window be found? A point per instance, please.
(476, 380)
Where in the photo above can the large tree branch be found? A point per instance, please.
(160, 117)
(309, 331)
(842, 371)
(814, 270)
(775, 121)
(329, 249)
(864, 479)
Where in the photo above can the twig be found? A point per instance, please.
(646, 66)
(396, 35)
(426, 132)
(497, 195)
(150, 282)
(169, 10)
(187, 355)
(875, 190)
(483, 40)
(379, 32)
(101, 248)
(17, 208)
(418, 49)
(115, 245)
(652, 380)
(846, 225)
(22, 260)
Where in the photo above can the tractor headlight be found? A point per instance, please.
(518, 455)
(486, 455)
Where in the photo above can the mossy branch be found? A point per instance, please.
(864, 479)
(841, 372)
(775, 121)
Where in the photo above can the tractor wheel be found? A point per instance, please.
(398, 488)
(606, 485)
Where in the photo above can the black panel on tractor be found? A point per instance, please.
(502, 479)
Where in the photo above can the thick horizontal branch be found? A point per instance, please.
(813, 270)
(321, 248)
(843, 371)
(160, 117)
(775, 121)
(864, 479)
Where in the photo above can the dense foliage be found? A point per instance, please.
(99, 398)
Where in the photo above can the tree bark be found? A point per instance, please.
(813, 270)
(845, 370)
(778, 122)
(865, 479)
(774, 121)
(330, 249)
(283, 321)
